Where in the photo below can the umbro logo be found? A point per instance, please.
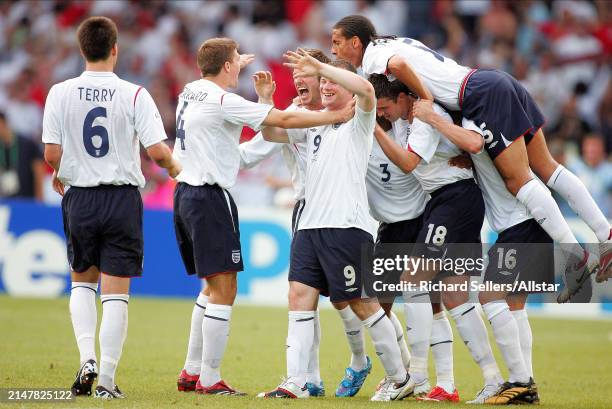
(350, 290)
(313, 129)
(336, 126)
(379, 353)
(542, 220)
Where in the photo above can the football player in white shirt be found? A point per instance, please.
(333, 228)
(209, 120)
(92, 129)
(382, 191)
(512, 221)
(258, 149)
(505, 112)
(453, 215)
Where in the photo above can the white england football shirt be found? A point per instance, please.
(99, 120)
(257, 149)
(336, 166)
(209, 121)
(433, 172)
(441, 75)
(502, 209)
(392, 194)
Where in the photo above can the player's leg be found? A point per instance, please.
(572, 189)
(80, 228)
(397, 384)
(84, 318)
(516, 303)
(215, 331)
(183, 221)
(399, 334)
(314, 383)
(360, 365)
(441, 344)
(306, 282)
(190, 374)
(506, 334)
(113, 331)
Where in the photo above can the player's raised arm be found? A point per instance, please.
(404, 159)
(400, 68)
(305, 65)
(470, 141)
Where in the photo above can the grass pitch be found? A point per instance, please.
(572, 359)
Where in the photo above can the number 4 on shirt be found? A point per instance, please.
(180, 131)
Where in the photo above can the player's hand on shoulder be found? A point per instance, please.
(302, 63)
(348, 112)
(423, 110)
(297, 101)
(58, 186)
(246, 59)
(264, 85)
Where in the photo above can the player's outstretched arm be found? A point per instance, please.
(398, 66)
(161, 154)
(469, 141)
(404, 159)
(307, 119)
(305, 65)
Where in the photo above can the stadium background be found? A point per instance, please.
(559, 50)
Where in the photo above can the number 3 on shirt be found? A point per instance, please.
(95, 138)
(180, 131)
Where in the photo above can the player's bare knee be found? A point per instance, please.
(452, 299)
(363, 310)
(114, 285)
(340, 305)
(436, 307)
(91, 275)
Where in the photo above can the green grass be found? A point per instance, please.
(572, 359)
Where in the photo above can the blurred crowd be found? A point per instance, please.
(560, 50)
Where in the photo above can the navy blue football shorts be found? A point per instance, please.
(207, 230)
(522, 253)
(501, 107)
(103, 228)
(330, 260)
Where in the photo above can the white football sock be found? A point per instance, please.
(314, 372)
(215, 331)
(383, 337)
(300, 335)
(580, 200)
(522, 321)
(354, 334)
(113, 330)
(401, 339)
(506, 335)
(193, 362)
(474, 334)
(442, 351)
(545, 211)
(419, 320)
(84, 318)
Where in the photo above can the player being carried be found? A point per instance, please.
(92, 128)
(326, 256)
(510, 121)
(209, 121)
